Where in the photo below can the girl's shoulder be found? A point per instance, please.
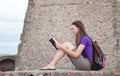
(86, 37)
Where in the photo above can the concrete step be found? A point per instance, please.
(62, 72)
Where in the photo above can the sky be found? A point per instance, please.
(12, 14)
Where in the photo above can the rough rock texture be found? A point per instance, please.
(52, 18)
(62, 72)
(7, 63)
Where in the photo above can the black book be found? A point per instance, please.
(53, 42)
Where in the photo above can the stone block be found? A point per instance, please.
(45, 19)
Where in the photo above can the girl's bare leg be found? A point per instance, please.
(59, 55)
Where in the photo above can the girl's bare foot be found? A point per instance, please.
(48, 67)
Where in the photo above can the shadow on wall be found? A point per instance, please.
(7, 63)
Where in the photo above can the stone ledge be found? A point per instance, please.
(62, 72)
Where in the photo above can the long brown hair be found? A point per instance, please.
(82, 32)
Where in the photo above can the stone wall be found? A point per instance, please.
(63, 72)
(7, 63)
(52, 18)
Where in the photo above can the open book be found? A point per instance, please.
(53, 42)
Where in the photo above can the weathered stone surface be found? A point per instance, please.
(62, 72)
(7, 63)
(52, 18)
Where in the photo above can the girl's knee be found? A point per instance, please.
(68, 45)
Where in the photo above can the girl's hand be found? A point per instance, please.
(59, 46)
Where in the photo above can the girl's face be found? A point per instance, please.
(74, 29)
